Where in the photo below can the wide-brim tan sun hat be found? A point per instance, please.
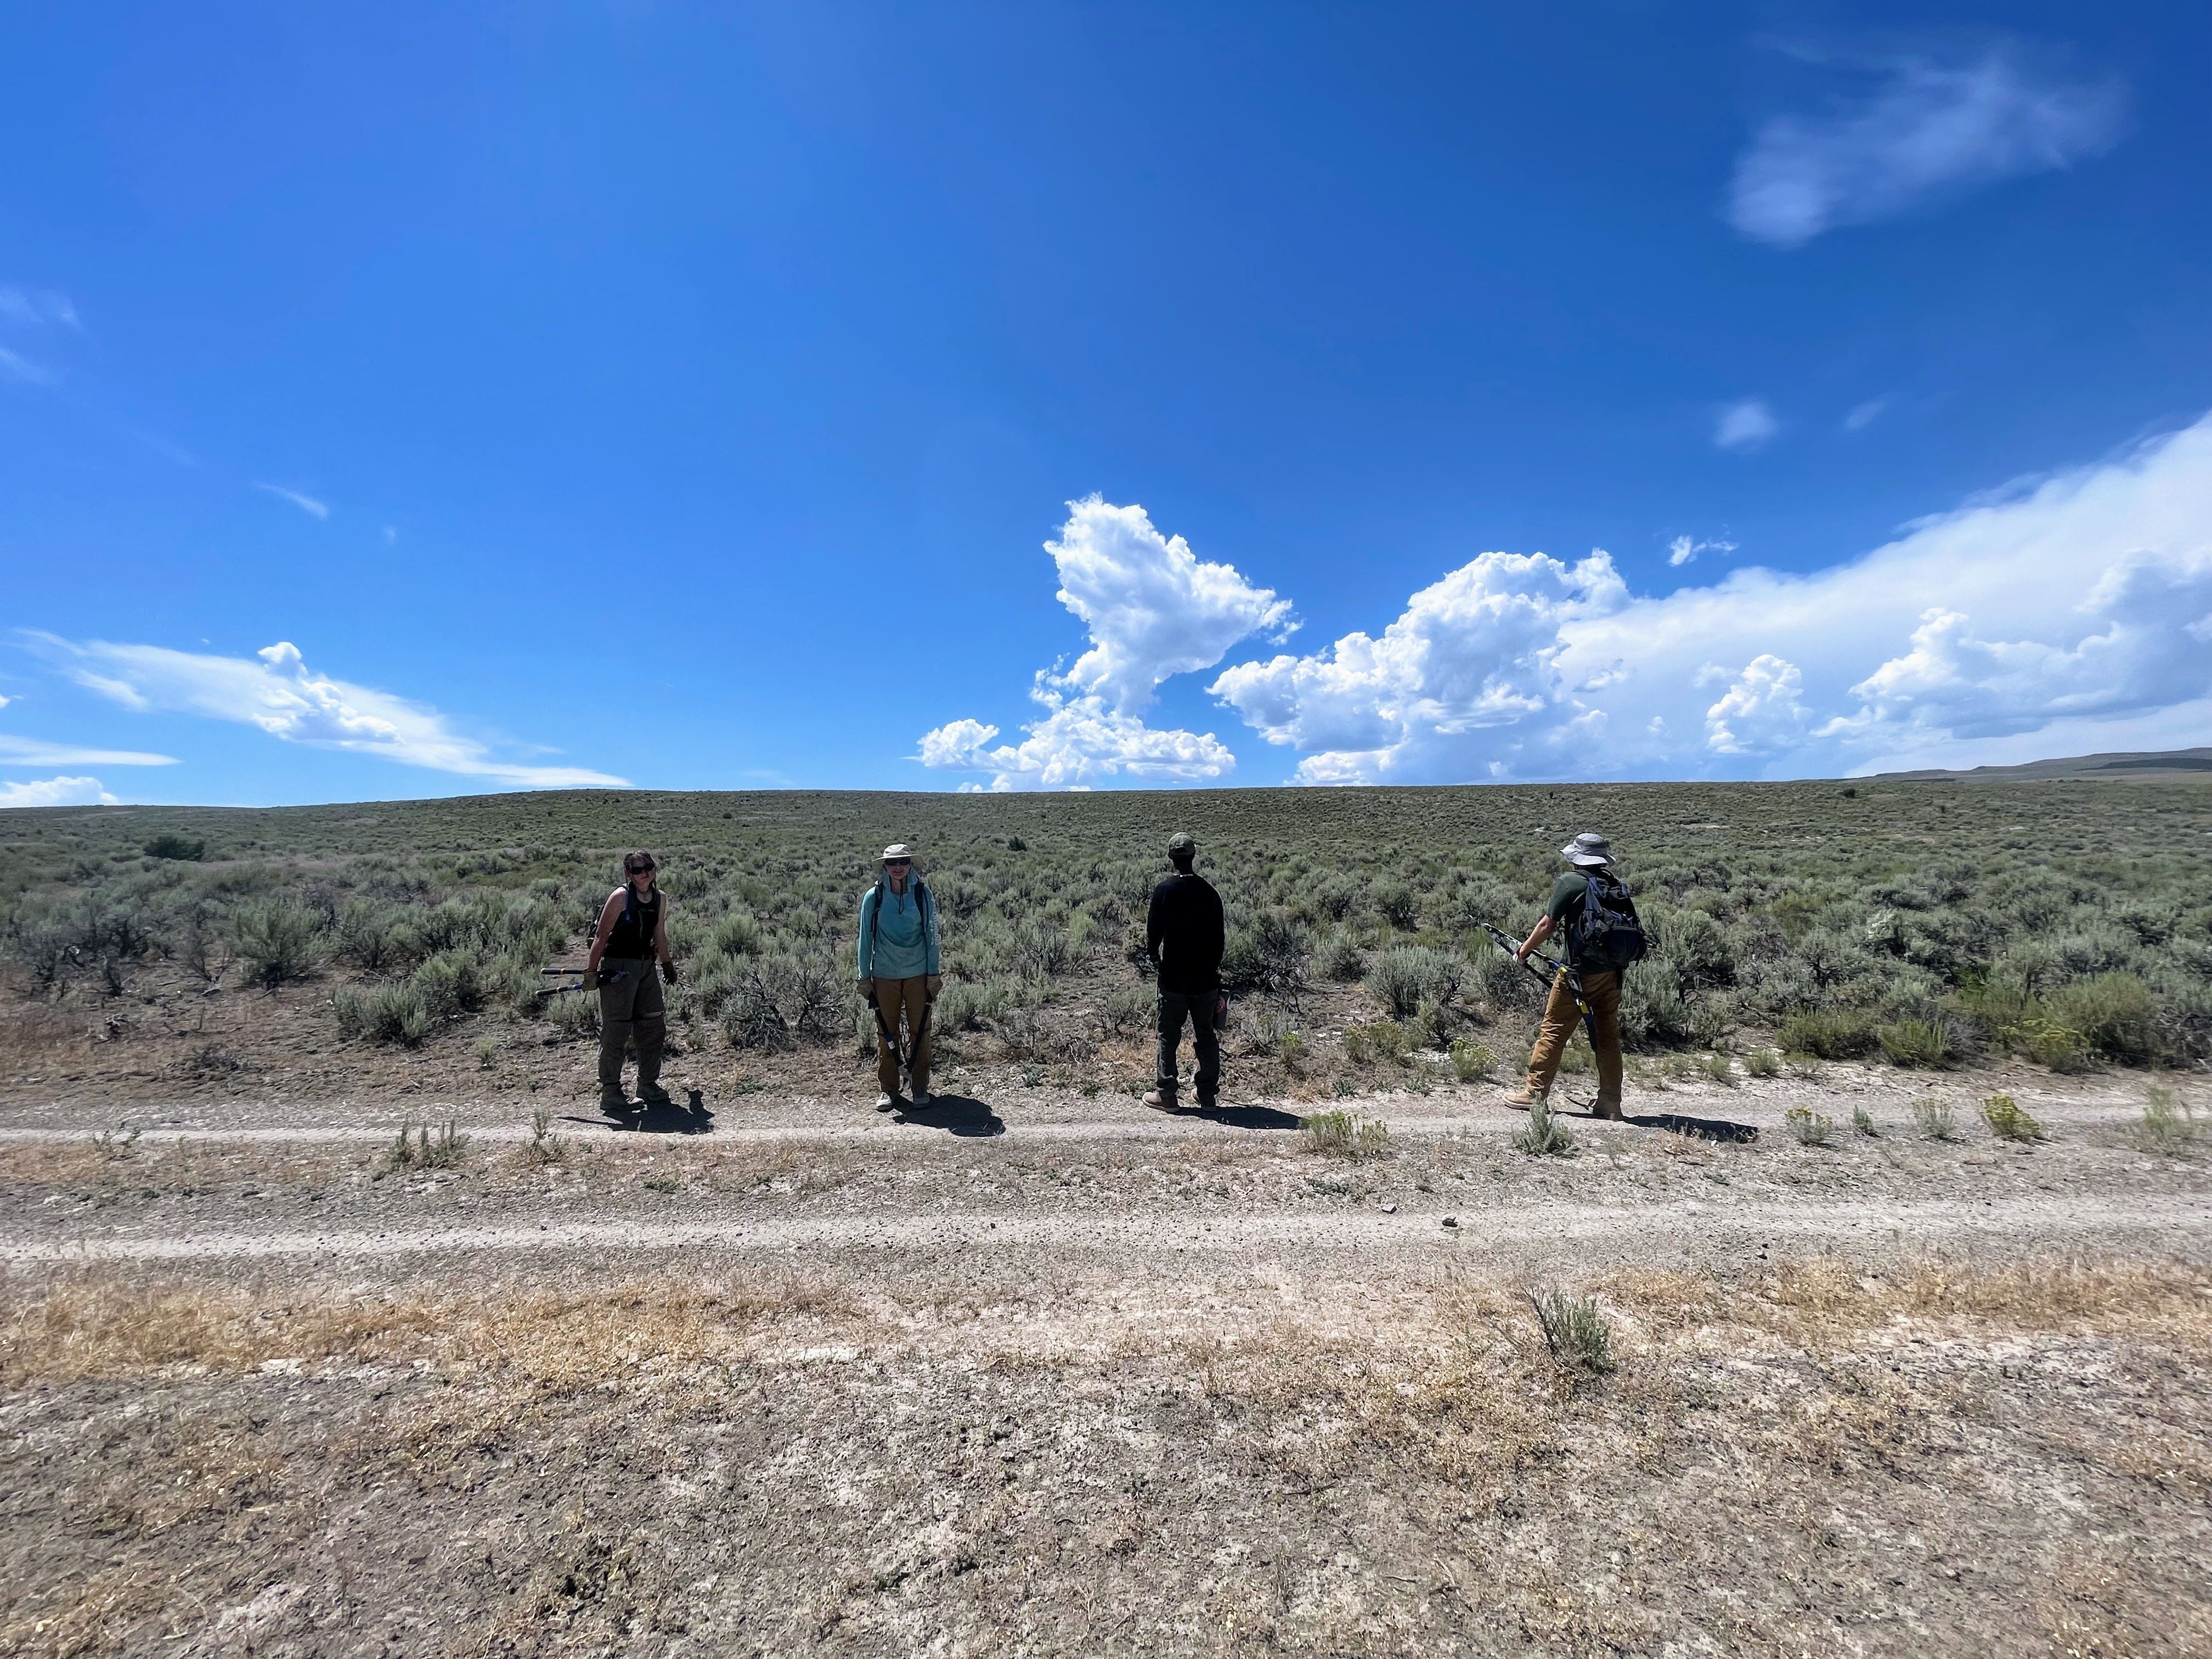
(897, 850)
(1588, 847)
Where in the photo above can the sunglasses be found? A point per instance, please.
(896, 864)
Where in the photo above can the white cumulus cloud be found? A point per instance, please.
(2069, 615)
(1152, 610)
(1683, 549)
(55, 791)
(1938, 124)
(1745, 426)
(276, 691)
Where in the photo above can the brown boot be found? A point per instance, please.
(1609, 1109)
(1162, 1100)
(1526, 1096)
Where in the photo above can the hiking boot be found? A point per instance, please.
(654, 1095)
(1524, 1097)
(1162, 1100)
(921, 1096)
(1608, 1109)
(611, 1099)
(1207, 1102)
(885, 1100)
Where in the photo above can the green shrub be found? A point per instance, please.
(1933, 1114)
(2167, 1127)
(1916, 1043)
(1829, 1034)
(2008, 1121)
(1809, 1127)
(275, 941)
(1339, 957)
(448, 985)
(1574, 1330)
(172, 846)
(1381, 1041)
(1862, 1122)
(1344, 1135)
(1764, 1062)
(2115, 1013)
(1543, 1135)
(419, 1149)
(1406, 975)
(389, 1013)
(1473, 1061)
(737, 934)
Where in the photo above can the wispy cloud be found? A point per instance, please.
(34, 751)
(18, 367)
(1939, 123)
(1745, 425)
(31, 307)
(1683, 549)
(306, 504)
(55, 791)
(276, 691)
(1866, 413)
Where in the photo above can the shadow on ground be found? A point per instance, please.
(1242, 1117)
(1701, 1128)
(690, 1116)
(957, 1114)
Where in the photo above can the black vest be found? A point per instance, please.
(641, 920)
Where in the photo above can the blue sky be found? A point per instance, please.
(448, 398)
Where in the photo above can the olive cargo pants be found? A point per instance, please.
(895, 997)
(630, 1004)
(1603, 992)
(1175, 1008)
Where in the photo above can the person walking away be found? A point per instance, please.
(1184, 935)
(1591, 907)
(633, 930)
(899, 971)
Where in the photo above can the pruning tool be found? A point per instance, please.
(604, 977)
(1551, 969)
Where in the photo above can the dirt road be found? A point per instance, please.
(1032, 1373)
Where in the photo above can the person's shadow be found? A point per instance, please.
(690, 1116)
(957, 1114)
(1697, 1128)
(1244, 1117)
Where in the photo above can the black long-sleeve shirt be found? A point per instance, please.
(1184, 934)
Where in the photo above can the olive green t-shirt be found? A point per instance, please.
(1569, 893)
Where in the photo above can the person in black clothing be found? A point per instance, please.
(633, 930)
(1183, 936)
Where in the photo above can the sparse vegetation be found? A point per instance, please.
(1807, 1126)
(1543, 1135)
(1863, 1122)
(1763, 1062)
(2009, 1119)
(423, 1148)
(1473, 1061)
(1346, 1135)
(2168, 1126)
(1575, 1331)
(1932, 1112)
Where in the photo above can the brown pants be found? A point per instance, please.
(1603, 992)
(630, 1004)
(895, 997)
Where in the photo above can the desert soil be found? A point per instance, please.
(1039, 1371)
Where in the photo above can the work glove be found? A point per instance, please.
(668, 972)
(932, 986)
(868, 991)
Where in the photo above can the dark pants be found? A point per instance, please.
(630, 1004)
(1198, 1008)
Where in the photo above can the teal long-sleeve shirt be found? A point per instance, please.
(901, 944)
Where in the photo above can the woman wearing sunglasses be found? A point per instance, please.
(633, 930)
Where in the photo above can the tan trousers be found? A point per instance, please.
(893, 997)
(630, 1006)
(1603, 992)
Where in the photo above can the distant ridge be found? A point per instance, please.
(2172, 763)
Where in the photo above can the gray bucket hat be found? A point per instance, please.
(898, 849)
(1588, 847)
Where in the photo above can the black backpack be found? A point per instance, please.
(1608, 935)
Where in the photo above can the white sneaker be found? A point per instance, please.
(885, 1101)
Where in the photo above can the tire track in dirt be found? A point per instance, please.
(2180, 1223)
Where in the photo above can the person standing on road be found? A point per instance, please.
(1184, 935)
(633, 930)
(1591, 907)
(899, 971)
